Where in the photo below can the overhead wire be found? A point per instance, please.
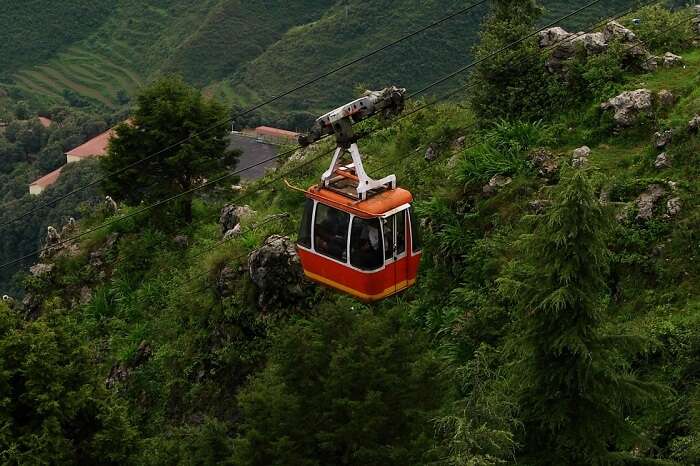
(231, 174)
(248, 111)
(557, 44)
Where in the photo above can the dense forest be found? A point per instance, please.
(555, 319)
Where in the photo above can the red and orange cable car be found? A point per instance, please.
(358, 235)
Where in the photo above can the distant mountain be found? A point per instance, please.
(94, 54)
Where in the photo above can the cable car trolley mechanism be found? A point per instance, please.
(358, 235)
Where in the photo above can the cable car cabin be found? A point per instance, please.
(369, 249)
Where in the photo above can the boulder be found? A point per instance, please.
(593, 42)
(694, 124)
(551, 36)
(545, 162)
(495, 183)
(231, 215)
(673, 207)
(276, 271)
(651, 63)
(666, 98)
(629, 105)
(226, 281)
(431, 153)
(182, 241)
(460, 142)
(670, 60)
(663, 138)
(615, 30)
(580, 156)
(662, 161)
(646, 202)
(233, 232)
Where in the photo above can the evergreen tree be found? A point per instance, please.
(576, 387)
(511, 84)
(345, 388)
(166, 113)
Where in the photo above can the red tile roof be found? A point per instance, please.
(276, 132)
(95, 147)
(45, 122)
(48, 180)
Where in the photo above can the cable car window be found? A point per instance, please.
(331, 232)
(366, 244)
(388, 227)
(305, 229)
(400, 232)
(415, 231)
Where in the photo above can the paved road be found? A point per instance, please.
(253, 152)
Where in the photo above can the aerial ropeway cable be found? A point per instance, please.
(236, 172)
(248, 111)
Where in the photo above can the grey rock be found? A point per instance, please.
(694, 124)
(663, 138)
(276, 271)
(646, 202)
(182, 241)
(666, 98)
(41, 269)
(495, 183)
(662, 161)
(629, 105)
(231, 215)
(552, 36)
(673, 207)
(593, 42)
(538, 206)
(580, 156)
(545, 162)
(615, 30)
(233, 232)
(460, 142)
(651, 63)
(226, 281)
(670, 60)
(431, 153)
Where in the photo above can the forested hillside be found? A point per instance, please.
(555, 319)
(88, 54)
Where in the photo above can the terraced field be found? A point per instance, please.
(93, 76)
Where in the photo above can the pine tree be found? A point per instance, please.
(511, 83)
(575, 385)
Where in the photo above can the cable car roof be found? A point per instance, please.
(377, 205)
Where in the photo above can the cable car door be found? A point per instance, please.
(395, 248)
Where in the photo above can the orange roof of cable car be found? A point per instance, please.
(374, 206)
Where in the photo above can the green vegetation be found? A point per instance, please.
(556, 319)
(242, 52)
(166, 113)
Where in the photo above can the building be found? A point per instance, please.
(272, 135)
(95, 147)
(45, 122)
(40, 185)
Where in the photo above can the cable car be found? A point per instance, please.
(358, 235)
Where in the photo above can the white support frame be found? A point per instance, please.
(365, 183)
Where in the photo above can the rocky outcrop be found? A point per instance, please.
(41, 269)
(629, 106)
(496, 183)
(673, 207)
(431, 153)
(615, 30)
(580, 156)
(120, 372)
(663, 138)
(662, 161)
(666, 98)
(276, 271)
(647, 201)
(552, 36)
(545, 162)
(670, 60)
(231, 215)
